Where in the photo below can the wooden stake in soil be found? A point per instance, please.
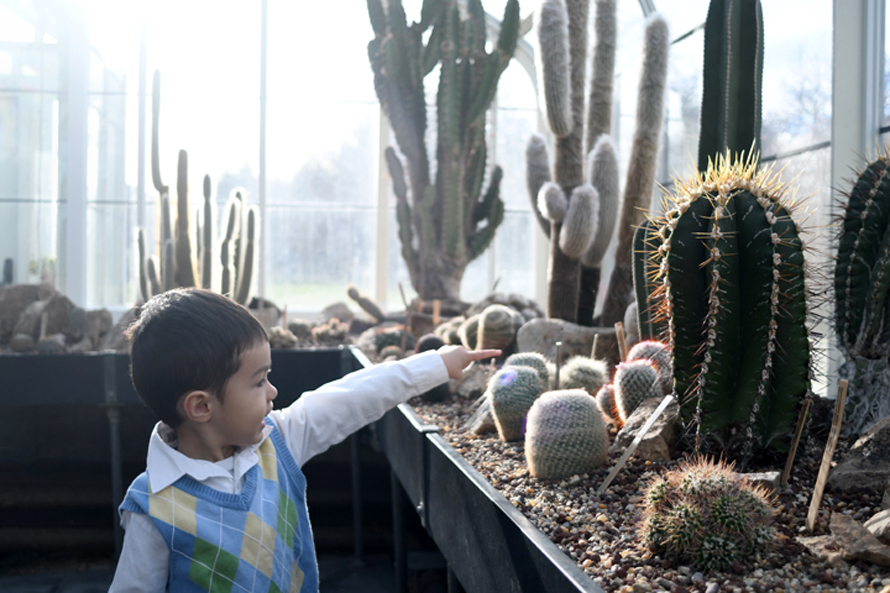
(596, 338)
(284, 317)
(828, 454)
(437, 308)
(636, 442)
(556, 381)
(622, 342)
(801, 420)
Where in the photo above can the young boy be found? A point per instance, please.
(222, 505)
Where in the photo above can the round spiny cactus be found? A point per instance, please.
(659, 354)
(635, 381)
(497, 327)
(704, 513)
(513, 391)
(565, 435)
(581, 372)
(469, 332)
(534, 360)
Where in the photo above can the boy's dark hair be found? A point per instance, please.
(188, 339)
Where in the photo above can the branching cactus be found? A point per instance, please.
(732, 286)
(581, 372)
(705, 514)
(513, 390)
(447, 222)
(861, 278)
(566, 435)
(635, 381)
(175, 267)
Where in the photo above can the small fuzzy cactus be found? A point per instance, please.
(513, 391)
(635, 381)
(282, 338)
(534, 360)
(497, 327)
(705, 514)
(659, 354)
(605, 398)
(581, 372)
(365, 302)
(566, 435)
(469, 332)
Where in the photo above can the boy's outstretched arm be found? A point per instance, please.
(457, 358)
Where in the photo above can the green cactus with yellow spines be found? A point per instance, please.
(732, 277)
(582, 372)
(861, 277)
(705, 514)
(566, 435)
(635, 381)
(446, 222)
(512, 391)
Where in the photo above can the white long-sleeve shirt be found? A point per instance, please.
(312, 424)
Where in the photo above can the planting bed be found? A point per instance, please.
(600, 533)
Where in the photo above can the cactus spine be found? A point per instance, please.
(566, 435)
(447, 222)
(174, 267)
(513, 391)
(861, 277)
(732, 80)
(732, 274)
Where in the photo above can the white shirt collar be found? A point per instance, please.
(165, 464)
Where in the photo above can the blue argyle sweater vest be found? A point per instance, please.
(257, 541)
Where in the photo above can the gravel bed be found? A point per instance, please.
(601, 532)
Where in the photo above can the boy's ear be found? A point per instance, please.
(197, 406)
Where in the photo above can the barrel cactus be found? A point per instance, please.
(497, 327)
(732, 282)
(635, 381)
(605, 399)
(513, 390)
(566, 435)
(581, 372)
(468, 332)
(862, 311)
(534, 360)
(702, 513)
(659, 354)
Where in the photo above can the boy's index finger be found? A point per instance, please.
(480, 354)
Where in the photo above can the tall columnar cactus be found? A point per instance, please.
(705, 514)
(175, 267)
(513, 391)
(566, 435)
(447, 222)
(862, 314)
(732, 80)
(732, 276)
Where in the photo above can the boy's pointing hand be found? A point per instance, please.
(457, 358)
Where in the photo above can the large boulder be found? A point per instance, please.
(867, 463)
(541, 335)
(13, 302)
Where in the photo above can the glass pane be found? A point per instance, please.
(317, 253)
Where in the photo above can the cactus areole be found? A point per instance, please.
(731, 282)
(446, 222)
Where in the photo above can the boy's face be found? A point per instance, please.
(247, 399)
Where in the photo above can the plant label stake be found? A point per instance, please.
(622, 342)
(436, 311)
(636, 442)
(801, 420)
(829, 453)
(556, 382)
(596, 338)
